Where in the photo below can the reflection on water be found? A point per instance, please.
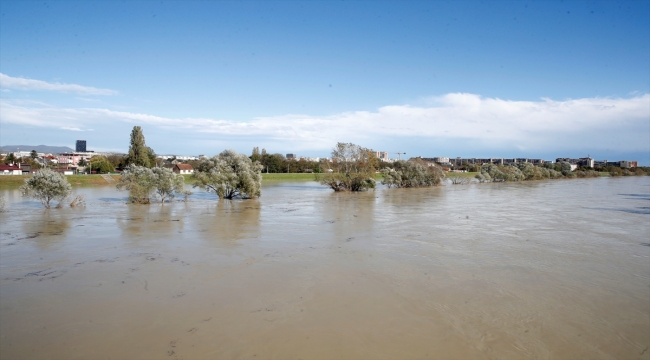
(148, 220)
(228, 221)
(47, 227)
(548, 269)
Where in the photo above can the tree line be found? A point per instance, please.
(231, 175)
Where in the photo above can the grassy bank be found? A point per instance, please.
(289, 177)
(15, 181)
(272, 177)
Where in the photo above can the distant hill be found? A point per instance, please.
(39, 148)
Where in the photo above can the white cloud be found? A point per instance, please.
(591, 123)
(18, 83)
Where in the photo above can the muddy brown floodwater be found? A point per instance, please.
(540, 270)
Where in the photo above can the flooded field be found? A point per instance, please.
(540, 270)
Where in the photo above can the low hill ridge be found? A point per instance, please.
(39, 148)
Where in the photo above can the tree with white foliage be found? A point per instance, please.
(143, 183)
(46, 186)
(229, 175)
(406, 174)
(168, 183)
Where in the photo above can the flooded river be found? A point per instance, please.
(540, 270)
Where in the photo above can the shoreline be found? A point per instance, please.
(10, 182)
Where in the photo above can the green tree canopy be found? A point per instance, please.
(138, 151)
(256, 156)
(353, 168)
(101, 165)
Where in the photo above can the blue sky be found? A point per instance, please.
(429, 78)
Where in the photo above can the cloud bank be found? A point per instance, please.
(491, 123)
(18, 83)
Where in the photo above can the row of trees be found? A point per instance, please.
(277, 163)
(528, 171)
(229, 175)
(354, 169)
(143, 183)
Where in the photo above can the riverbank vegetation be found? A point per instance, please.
(229, 175)
(407, 174)
(353, 168)
(561, 170)
(144, 183)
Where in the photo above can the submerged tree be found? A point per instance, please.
(353, 168)
(459, 180)
(139, 181)
(501, 173)
(138, 151)
(168, 183)
(45, 186)
(229, 175)
(143, 182)
(411, 174)
(483, 177)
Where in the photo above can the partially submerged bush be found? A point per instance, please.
(46, 186)
(405, 174)
(230, 175)
(587, 174)
(500, 173)
(353, 168)
(143, 182)
(79, 200)
(483, 177)
(458, 180)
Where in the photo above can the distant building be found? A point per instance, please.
(26, 168)
(381, 155)
(178, 157)
(291, 156)
(73, 158)
(629, 164)
(10, 169)
(183, 169)
(589, 162)
(81, 146)
(586, 161)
